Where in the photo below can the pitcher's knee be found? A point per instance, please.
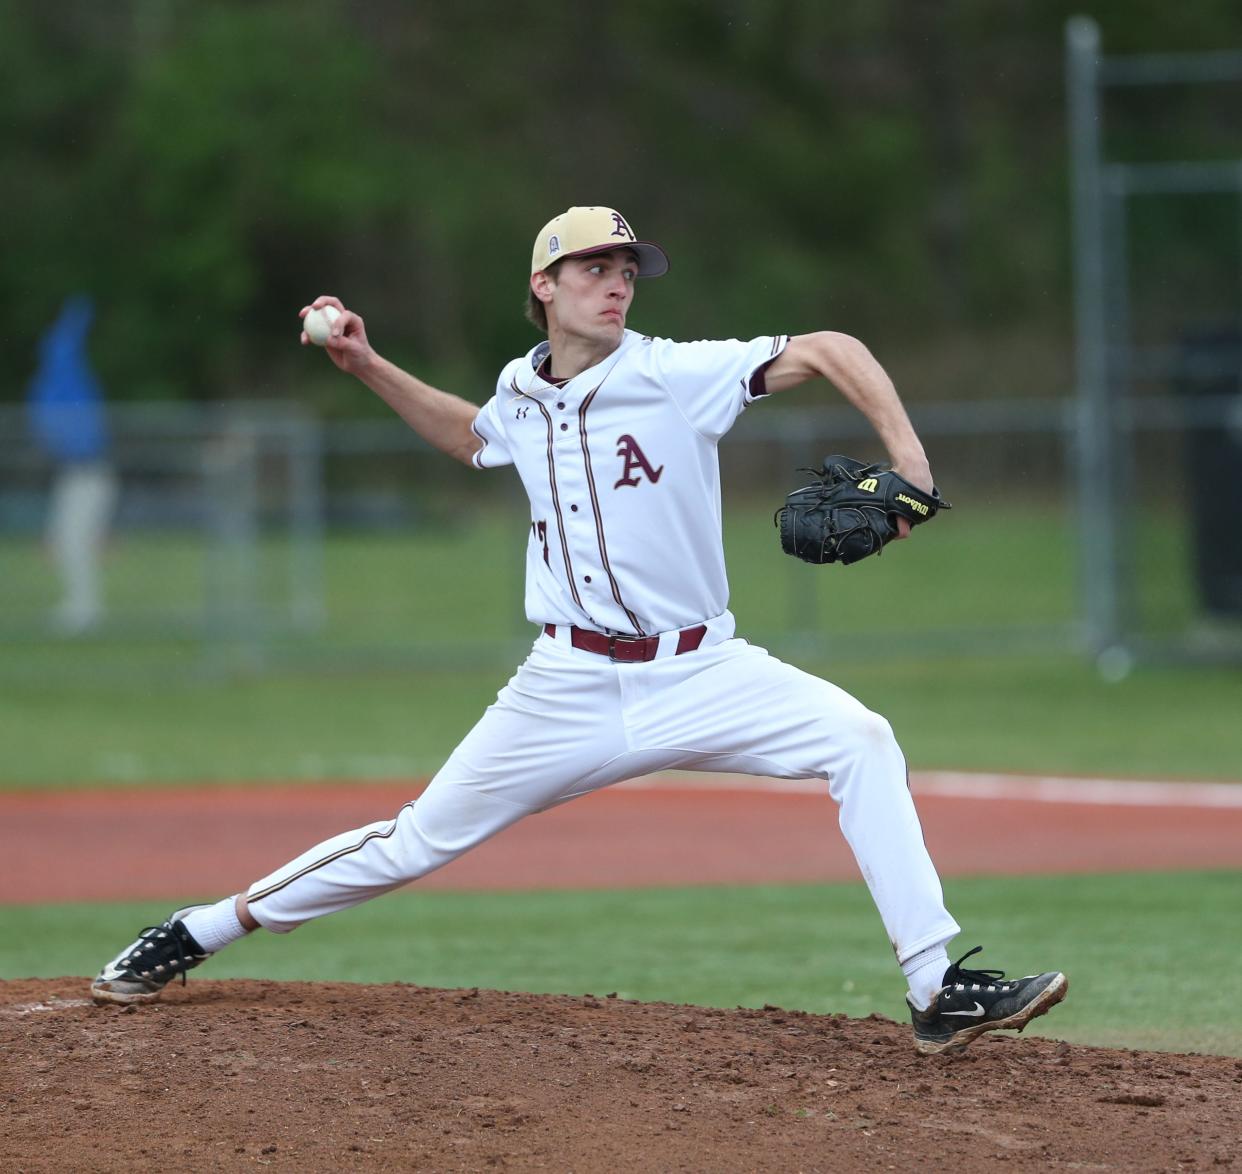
(445, 822)
(414, 850)
(868, 735)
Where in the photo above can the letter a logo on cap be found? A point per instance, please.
(581, 231)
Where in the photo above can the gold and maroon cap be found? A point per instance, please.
(579, 232)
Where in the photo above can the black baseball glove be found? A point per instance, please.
(851, 511)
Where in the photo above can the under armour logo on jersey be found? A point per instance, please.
(520, 414)
(635, 458)
(621, 229)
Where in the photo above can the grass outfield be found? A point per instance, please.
(463, 583)
(1145, 952)
(962, 641)
(1034, 713)
(990, 572)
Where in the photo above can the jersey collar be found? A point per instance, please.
(532, 383)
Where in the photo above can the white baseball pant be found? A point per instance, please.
(571, 721)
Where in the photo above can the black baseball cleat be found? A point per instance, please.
(144, 968)
(974, 1001)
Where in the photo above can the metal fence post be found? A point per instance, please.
(1094, 439)
(230, 484)
(306, 589)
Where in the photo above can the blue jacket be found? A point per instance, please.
(65, 400)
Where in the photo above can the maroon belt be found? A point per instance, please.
(629, 648)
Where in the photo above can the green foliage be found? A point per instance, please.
(891, 169)
(817, 948)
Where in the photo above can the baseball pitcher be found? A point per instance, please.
(636, 666)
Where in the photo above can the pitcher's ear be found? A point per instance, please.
(541, 284)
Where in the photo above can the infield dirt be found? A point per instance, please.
(319, 1077)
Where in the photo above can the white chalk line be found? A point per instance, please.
(52, 1004)
(1054, 789)
(970, 785)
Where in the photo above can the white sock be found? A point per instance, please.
(925, 974)
(214, 926)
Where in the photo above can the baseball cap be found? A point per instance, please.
(579, 232)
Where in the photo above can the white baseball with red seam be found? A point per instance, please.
(318, 324)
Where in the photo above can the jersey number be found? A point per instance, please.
(539, 532)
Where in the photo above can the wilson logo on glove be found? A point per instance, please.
(851, 512)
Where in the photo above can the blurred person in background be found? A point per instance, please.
(67, 420)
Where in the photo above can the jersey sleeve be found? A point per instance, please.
(714, 382)
(489, 427)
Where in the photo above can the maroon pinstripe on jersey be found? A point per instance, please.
(477, 459)
(556, 496)
(599, 517)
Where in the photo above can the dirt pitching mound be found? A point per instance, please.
(315, 1077)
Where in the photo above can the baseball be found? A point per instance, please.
(318, 324)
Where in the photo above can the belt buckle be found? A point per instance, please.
(624, 641)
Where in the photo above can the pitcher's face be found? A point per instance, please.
(591, 295)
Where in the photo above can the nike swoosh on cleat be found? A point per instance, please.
(973, 1014)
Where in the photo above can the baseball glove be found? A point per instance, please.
(851, 511)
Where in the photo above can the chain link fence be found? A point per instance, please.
(253, 536)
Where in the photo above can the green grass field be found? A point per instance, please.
(964, 642)
(1029, 713)
(1126, 942)
(984, 575)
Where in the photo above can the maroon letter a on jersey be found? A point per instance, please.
(635, 458)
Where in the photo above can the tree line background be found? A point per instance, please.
(893, 168)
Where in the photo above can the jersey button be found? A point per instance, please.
(573, 509)
(561, 406)
(564, 427)
(586, 578)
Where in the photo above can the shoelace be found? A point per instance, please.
(149, 936)
(955, 974)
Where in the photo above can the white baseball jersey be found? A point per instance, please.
(621, 468)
